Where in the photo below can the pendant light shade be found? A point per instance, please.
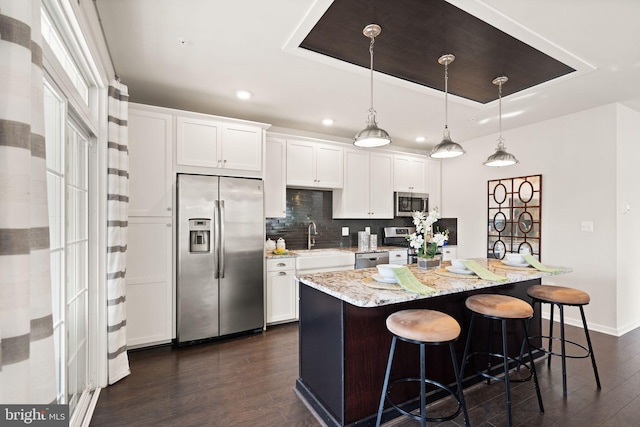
(447, 148)
(501, 157)
(372, 135)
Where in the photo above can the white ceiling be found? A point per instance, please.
(251, 44)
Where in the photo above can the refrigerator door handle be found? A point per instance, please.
(222, 239)
(216, 239)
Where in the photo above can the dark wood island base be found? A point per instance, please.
(344, 349)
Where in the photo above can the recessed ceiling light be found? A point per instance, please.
(420, 139)
(243, 94)
(327, 122)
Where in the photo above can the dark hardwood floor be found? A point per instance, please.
(248, 381)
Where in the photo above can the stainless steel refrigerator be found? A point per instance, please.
(220, 254)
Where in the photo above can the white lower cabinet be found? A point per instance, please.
(449, 253)
(398, 256)
(282, 291)
(149, 281)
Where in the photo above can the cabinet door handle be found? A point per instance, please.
(169, 209)
(282, 273)
(281, 264)
(398, 256)
(169, 225)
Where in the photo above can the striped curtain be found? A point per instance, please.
(117, 217)
(27, 366)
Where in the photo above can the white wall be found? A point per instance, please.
(576, 156)
(628, 230)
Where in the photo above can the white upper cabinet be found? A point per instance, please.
(312, 164)
(198, 142)
(433, 183)
(275, 185)
(381, 188)
(241, 147)
(150, 162)
(213, 143)
(409, 173)
(368, 189)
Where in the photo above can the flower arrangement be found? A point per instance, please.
(424, 240)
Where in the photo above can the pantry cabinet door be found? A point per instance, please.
(150, 163)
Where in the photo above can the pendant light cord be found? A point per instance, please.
(446, 94)
(500, 110)
(373, 39)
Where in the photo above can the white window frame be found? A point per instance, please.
(70, 20)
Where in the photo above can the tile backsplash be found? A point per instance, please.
(304, 206)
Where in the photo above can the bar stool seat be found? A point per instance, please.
(423, 327)
(564, 296)
(559, 295)
(501, 308)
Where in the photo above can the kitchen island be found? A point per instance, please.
(344, 342)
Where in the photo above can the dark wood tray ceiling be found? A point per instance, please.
(415, 33)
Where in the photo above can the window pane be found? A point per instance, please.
(56, 284)
(56, 223)
(53, 130)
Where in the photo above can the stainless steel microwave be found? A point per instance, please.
(407, 203)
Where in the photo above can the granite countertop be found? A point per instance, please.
(358, 288)
(294, 253)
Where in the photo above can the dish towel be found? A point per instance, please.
(538, 266)
(482, 272)
(410, 283)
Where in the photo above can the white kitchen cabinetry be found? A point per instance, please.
(433, 184)
(368, 189)
(150, 149)
(398, 256)
(282, 291)
(275, 185)
(449, 253)
(409, 173)
(215, 144)
(149, 281)
(313, 164)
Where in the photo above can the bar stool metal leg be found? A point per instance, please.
(593, 358)
(533, 366)
(506, 370)
(458, 375)
(386, 380)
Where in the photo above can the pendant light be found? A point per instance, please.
(372, 135)
(447, 148)
(501, 157)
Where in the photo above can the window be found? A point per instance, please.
(70, 114)
(68, 192)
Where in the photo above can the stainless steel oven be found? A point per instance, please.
(397, 236)
(407, 203)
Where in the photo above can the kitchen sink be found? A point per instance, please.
(318, 260)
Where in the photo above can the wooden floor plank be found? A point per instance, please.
(249, 380)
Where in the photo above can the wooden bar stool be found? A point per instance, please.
(563, 296)
(423, 327)
(501, 308)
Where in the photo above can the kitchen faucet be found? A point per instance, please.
(311, 240)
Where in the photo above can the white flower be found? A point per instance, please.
(423, 225)
(416, 241)
(439, 238)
